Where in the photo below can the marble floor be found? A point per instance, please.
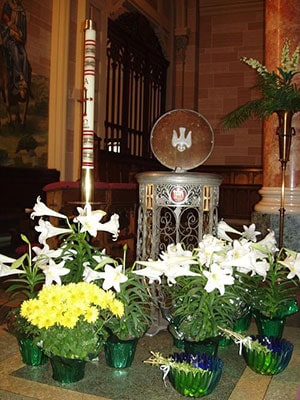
(142, 381)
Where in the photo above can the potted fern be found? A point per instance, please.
(279, 93)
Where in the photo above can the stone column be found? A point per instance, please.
(281, 23)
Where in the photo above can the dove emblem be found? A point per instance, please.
(180, 141)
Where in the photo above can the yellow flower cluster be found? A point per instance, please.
(65, 305)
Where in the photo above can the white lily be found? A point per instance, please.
(173, 263)
(267, 244)
(240, 256)
(6, 270)
(174, 250)
(40, 210)
(293, 264)
(48, 230)
(43, 254)
(153, 271)
(113, 277)
(54, 271)
(90, 275)
(6, 260)
(217, 278)
(261, 268)
(90, 221)
(250, 233)
(222, 228)
(210, 250)
(112, 226)
(176, 255)
(175, 271)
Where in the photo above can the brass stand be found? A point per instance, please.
(285, 133)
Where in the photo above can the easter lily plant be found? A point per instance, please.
(75, 260)
(210, 286)
(135, 294)
(72, 260)
(199, 290)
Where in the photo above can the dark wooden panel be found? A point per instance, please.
(20, 189)
(238, 201)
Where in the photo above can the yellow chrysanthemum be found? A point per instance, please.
(77, 309)
(45, 321)
(91, 314)
(68, 320)
(52, 315)
(28, 307)
(94, 294)
(117, 308)
(65, 305)
(106, 299)
(50, 294)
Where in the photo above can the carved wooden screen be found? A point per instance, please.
(136, 85)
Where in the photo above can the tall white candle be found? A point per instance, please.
(88, 105)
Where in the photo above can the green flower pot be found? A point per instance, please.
(209, 346)
(119, 353)
(179, 343)
(269, 326)
(225, 342)
(199, 382)
(65, 370)
(270, 363)
(243, 323)
(31, 354)
(177, 336)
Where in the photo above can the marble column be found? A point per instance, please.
(281, 23)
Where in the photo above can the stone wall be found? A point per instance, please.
(211, 79)
(226, 35)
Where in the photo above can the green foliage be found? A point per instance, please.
(135, 295)
(82, 341)
(197, 313)
(276, 294)
(276, 90)
(77, 252)
(27, 284)
(19, 326)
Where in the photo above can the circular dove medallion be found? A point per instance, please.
(182, 139)
(178, 195)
